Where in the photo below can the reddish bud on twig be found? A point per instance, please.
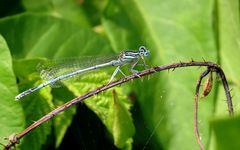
(208, 85)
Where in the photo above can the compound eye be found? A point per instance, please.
(142, 49)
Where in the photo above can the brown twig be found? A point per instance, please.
(196, 130)
(222, 76)
(118, 82)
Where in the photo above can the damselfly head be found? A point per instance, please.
(143, 51)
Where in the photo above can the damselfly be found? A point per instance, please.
(125, 57)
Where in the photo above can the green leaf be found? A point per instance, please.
(12, 118)
(93, 9)
(63, 120)
(123, 128)
(229, 35)
(70, 10)
(226, 133)
(35, 105)
(28, 69)
(168, 30)
(42, 5)
(110, 112)
(56, 38)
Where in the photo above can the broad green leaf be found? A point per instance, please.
(61, 121)
(168, 30)
(64, 119)
(229, 36)
(93, 9)
(70, 10)
(110, 111)
(52, 39)
(28, 69)
(226, 133)
(122, 121)
(55, 38)
(12, 118)
(42, 5)
(35, 105)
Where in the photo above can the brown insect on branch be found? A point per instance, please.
(211, 67)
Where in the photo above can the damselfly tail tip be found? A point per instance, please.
(25, 93)
(18, 97)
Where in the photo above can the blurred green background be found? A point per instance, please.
(155, 112)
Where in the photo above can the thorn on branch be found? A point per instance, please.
(192, 60)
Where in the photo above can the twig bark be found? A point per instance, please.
(222, 76)
(15, 140)
(196, 129)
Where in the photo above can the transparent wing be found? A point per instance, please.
(51, 69)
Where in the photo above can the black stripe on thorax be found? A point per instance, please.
(129, 54)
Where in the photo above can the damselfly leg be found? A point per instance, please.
(115, 72)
